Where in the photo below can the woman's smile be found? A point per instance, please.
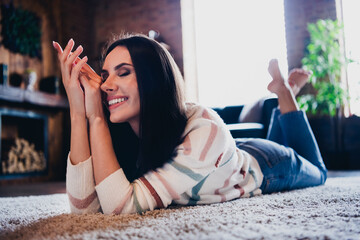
(116, 101)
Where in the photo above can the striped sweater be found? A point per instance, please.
(208, 168)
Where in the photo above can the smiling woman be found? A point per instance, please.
(120, 85)
(151, 84)
(150, 149)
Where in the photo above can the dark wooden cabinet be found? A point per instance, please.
(34, 128)
(351, 141)
(339, 141)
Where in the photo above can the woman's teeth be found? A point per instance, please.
(116, 100)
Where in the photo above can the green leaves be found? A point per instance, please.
(324, 58)
(21, 31)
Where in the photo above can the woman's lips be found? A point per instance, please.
(114, 102)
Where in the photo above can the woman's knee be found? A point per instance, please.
(322, 168)
(323, 176)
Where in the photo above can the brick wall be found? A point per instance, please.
(297, 14)
(164, 16)
(77, 22)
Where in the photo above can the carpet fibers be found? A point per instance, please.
(331, 211)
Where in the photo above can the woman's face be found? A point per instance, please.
(121, 88)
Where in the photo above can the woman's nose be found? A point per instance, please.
(108, 85)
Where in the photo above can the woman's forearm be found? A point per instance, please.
(79, 139)
(80, 183)
(103, 155)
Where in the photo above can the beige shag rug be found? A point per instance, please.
(331, 211)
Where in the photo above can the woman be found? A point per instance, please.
(156, 150)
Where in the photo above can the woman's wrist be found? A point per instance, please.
(96, 115)
(77, 117)
(79, 143)
(96, 120)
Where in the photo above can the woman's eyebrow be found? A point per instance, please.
(121, 65)
(116, 67)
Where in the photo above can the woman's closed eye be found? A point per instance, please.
(119, 71)
(123, 73)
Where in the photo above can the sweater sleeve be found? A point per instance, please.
(80, 187)
(197, 157)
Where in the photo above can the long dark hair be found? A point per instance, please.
(162, 108)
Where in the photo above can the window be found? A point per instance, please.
(351, 19)
(234, 41)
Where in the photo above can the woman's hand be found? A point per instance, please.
(81, 82)
(93, 100)
(70, 71)
(91, 83)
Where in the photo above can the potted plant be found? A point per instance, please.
(325, 59)
(325, 100)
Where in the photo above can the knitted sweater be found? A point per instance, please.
(208, 168)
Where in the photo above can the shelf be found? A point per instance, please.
(19, 95)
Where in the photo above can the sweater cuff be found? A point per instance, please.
(80, 180)
(113, 192)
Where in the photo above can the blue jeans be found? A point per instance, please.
(289, 158)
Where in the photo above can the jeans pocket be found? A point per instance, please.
(267, 151)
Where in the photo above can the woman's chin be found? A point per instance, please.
(115, 119)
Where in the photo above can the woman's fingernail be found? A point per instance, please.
(54, 45)
(70, 41)
(86, 58)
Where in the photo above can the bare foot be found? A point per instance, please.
(278, 83)
(298, 77)
(281, 88)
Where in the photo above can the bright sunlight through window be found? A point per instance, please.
(351, 19)
(234, 42)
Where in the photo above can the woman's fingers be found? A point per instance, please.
(74, 58)
(66, 54)
(76, 69)
(75, 55)
(68, 49)
(89, 72)
(89, 86)
(72, 65)
(57, 47)
(84, 82)
(89, 80)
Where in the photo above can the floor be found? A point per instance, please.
(32, 189)
(60, 187)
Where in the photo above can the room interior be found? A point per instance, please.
(35, 114)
